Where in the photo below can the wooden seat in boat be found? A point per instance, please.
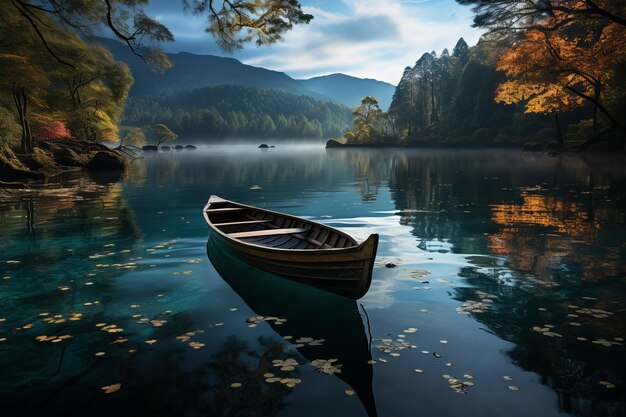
(267, 232)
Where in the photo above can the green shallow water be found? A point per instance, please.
(510, 266)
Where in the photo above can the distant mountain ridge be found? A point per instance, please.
(350, 90)
(191, 71)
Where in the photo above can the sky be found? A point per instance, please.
(363, 38)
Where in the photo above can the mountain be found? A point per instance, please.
(192, 71)
(350, 90)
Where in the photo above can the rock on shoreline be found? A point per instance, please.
(51, 158)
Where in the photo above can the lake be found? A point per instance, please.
(508, 293)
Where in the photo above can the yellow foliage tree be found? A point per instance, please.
(561, 63)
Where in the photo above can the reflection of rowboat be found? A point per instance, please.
(293, 247)
(308, 312)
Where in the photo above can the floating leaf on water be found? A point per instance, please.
(542, 309)
(100, 353)
(108, 389)
(573, 323)
(606, 384)
(196, 345)
(444, 342)
(425, 352)
(327, 366)
(437, 355)
(394, 354)
(449, 364)
(268, 375)
(582, 339)
(232, 309)
(419, 371)
(604, 342)
(508, 378)
(371, 362)
(410, 330)
(151, 341)
(235, 385)
(618, 339)
(119, 340)
(285, 365)
(468, 376)
(349, 392)
(290, 382)
(255, 187)
(513, 388)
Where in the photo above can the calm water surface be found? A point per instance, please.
(509, 295)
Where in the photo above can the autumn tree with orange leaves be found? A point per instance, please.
(555, 71)
(566, 53)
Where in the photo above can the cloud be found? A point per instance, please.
(364, 38)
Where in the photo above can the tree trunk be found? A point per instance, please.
(434, 118)
(596, 96)
(612, 120)
(559, 131)
(21, 105)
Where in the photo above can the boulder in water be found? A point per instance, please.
(106, 161)
(332, 143)
(150, 148)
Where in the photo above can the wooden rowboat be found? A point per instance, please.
(296, 248)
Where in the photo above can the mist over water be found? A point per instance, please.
(507, 295)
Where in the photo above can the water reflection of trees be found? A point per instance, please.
(570, 363)
(161, 382)
(556, 227)
(54, 241)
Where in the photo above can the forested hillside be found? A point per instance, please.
(235, 111)
(559, 82)
(450, 98)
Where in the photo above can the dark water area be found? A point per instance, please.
(509, 294)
